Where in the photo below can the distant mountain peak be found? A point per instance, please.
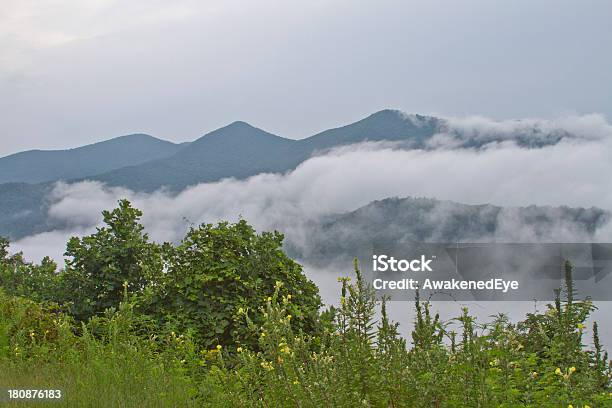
(240, 124)
(387, 113)
(236, 126)
(132, 136)
(238, 131)
(387, 124)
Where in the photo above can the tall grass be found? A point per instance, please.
(121, 359)
(102, 363)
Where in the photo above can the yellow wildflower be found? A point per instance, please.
(558, 371)
(267, 365)
(219, 347)
(239, 349)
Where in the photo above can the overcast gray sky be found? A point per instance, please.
(74, 71)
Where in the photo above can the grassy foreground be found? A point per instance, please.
(107, 361)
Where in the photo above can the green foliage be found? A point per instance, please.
(114, 367)
(225, 318)
(21, 278)
(99, 265)
(219, 273)
(29, 329)
(203, 286)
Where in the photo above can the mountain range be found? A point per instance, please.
(144, 163)
(38, 166)
(343, 236)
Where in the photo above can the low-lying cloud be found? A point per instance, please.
(573, 172)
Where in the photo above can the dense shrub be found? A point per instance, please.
(220, 273)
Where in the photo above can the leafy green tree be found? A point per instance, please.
(220, 274)
(18, 277)
(101, 266)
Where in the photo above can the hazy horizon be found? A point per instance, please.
(73, 73)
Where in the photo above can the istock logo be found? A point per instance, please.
(384, 263)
